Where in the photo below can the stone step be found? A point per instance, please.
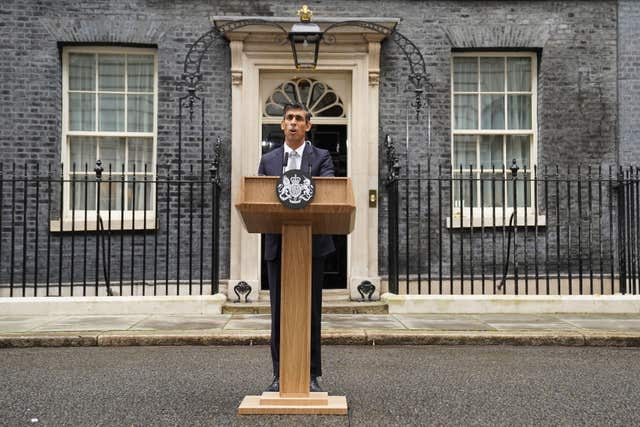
(333, 307)
(327, 295)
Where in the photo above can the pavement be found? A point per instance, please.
(622, 330)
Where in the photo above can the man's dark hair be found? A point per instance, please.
(297, 106)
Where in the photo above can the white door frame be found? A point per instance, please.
(253, 54)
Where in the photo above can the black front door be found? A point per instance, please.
(334, 139)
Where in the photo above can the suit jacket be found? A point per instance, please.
(319, 161)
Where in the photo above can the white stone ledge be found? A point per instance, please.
(518, 304)
(105, 306)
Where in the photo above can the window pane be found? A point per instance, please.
(140, 73)
(136, 185)
(464, 151)
(491, 151)
(492, 111)
(272, 138)
(111, 72)
(110, 191)
(82, 71)
(112, 152)
(465, 74)
(82, 111)
(493, 188)
(519, 74)
(140, 114)
(82, 151)
(519, 147)
(82, 194)
(519, 111)
(111, 112)
(492, 74)
(140, 153)
(462, 190)
(274, 110)
(317, 91)
(466, 112)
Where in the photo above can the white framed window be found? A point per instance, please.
(109, 105)
(494, 120)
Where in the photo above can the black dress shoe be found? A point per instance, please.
(313, 385)
(275, 385)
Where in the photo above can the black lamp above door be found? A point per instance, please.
(305, 40)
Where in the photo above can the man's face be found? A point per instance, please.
(295, 126)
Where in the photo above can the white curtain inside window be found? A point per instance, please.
(491, 151)
(519, 111)
(140, 154)
(140, 113)
(492, 112)
(111, 112)
(492, 190)
(82, 111)
(82, 152)
(111, 73)
(112, 153)
(82, 186)
(464, 151)
(519, 74)
(466, 112)
(140, 73)
(492, 74)
(82, 71)
(465, 74)
(518, 147)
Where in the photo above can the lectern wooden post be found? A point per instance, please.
(332, 211)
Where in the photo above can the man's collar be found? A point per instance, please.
(299, 150)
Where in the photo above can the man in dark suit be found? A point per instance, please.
(296, 122)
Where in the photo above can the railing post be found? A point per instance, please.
(392, 215)
(622, 255)
(98, 170)
(215, 217)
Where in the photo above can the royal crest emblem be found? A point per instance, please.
(295, 189)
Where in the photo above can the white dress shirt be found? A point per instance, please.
(294, 161)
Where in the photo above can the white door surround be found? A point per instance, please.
(355, 53)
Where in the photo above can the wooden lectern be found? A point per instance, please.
(332, 211)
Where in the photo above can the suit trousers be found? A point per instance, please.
(317, 276)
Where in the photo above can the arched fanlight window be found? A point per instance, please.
(319, 98)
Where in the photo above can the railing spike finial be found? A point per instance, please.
(514, 168)
(98, 170)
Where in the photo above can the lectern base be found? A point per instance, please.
(273, 403)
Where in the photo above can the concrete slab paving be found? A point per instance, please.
(91, 323)
(249, 322)
(428, 322)
(246, 329)
(514, 318)
(360, 321)
(595, 316)
(171, 323)
(533, 326)
(24, 324)
(607, 324)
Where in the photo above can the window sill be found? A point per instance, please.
(489, 222)
(79, 225)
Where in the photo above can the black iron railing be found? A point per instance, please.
(513, 230)
(81, 232)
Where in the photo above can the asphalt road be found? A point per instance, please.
(389, 386)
